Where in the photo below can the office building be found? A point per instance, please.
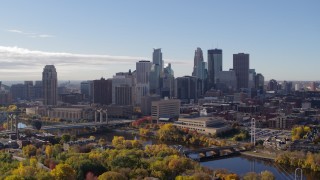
(157, 59)
(214, 65)
(154, 79)
(85, 89)
(272, 85)
(38, 90)
(146, 103)
(102, 91)
(199, 64)
(187, 89)
(122, 88)
(143, 69)
(226, 81)
(259, 82)
(165, 109)
(50, 85)
(252, 78)
(241, 67)
(168, 82)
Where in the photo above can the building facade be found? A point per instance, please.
(214, 65)
(165, 108)
(102, 91)
(241, 67)
(50, 85)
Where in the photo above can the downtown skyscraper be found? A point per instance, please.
(214, 65)
(156, 72)
(199, 66)
(241, 67)
(49, 83)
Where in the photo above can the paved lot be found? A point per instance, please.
(264, 133)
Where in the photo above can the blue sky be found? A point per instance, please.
(90, 39)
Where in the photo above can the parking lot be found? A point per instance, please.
(264, 133)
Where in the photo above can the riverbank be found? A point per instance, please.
(259, 155)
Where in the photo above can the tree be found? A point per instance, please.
(14, 177)
(102, 142)
(251, 176)
(49, 151)
(63, 171)
(37, 124)
(267, 175)
(29, 150)
(110, 175)
(65, 138)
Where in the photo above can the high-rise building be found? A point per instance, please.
(168, 83)
(143, 69)
(186, 88)
(214, 65)
(227, 81)
(157, 59)
(122, 88)
(252, 76)
(38, 90)
(49, 84)
(259, 82)
(241, 67)
(85, 89)
(272, 85)
(102, 91)
(154, 80)
(199, 64)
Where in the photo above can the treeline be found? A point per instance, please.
(129, 160)
(300, 159)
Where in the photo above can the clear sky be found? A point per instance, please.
(87, 39)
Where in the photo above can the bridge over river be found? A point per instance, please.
(83, 125)
(210, 152)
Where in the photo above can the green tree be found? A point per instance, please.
(29, 150)
(251, 176)
(65, 138)
(37, 124)
(110, 175)
(267, 175)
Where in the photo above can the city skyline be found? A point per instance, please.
(279, 36)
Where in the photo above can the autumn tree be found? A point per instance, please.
(267, 175)
(63, 172)
(29, 150)
(110, 175)
(49, 151)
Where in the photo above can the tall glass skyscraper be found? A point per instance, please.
(49, 84)
(214, 65)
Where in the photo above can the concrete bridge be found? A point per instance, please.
(212, 152)
(7, 132)
(83, 125)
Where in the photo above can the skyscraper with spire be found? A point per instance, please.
(199, 65)
(49, 83)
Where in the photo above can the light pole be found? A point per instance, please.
(253, 131)
(296, 172)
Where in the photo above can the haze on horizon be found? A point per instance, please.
(90, 40)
